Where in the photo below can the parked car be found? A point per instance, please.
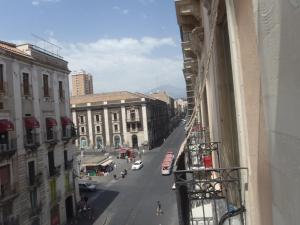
(87, 187)
(137, 165)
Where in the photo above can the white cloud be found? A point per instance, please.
(121, 11)
(38, 2)
(125, 64)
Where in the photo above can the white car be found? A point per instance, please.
(137, 165)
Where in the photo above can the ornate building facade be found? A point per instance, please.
(119, 119)
(37, 185)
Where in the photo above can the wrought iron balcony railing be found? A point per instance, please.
(7, 193)
(8, 148)
(68, 164)
(36, 180)
(10, 220)
(32, 141)
(55, 171)
(51, 137)
(211, 196)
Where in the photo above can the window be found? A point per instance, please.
(46, 85)
(132, 114)
(115, 116)
(31, 172)
(133, 126)
(81, 119)
(97, 118)
(1, 79)
(26, 84)
(116, 128)
(61, 91)
(51, 163)
(82, 130)
(98, 129)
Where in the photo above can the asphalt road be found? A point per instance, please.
(132, 200)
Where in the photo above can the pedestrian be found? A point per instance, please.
(158, 209)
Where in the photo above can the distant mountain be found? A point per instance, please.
(174, 92)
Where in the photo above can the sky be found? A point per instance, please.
(129, 45)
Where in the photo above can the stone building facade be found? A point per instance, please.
(119, 119)
(241, 72)
(37, 185)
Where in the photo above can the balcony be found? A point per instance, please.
(55, 171)
(51, 137)
(8, 149)
(10, 220)
(133, 119)
(207, 193)
(7, 194)
(3, 88)
(187, 50)
(69, 164)
(35, 181)
(36, 210)
(32, 141)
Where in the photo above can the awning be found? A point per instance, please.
(51, 122)
(65, 121)
(6, 125)
(106, 163)
(31, 123)
(123, 150)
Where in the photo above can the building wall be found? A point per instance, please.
(151, 123)
(16, 106)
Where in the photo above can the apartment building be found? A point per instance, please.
(119, 119)
(37, 184)
(82, 83)
(163, 96)
(239, 162)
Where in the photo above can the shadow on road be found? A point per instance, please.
(98, 206)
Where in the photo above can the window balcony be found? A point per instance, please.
(7, 193)
(8, 148)
(133, 119)
(51, 137)
(69, 164)
(10, 220)
(35, 180)
(36, 210)
(32, 141)
(54, 171)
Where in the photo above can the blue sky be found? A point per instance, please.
(124, 44)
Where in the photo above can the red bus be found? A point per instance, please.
(167, 164)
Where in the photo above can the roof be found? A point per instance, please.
(12, 48)
(105, 97)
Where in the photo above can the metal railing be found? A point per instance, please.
(55, 171)
(68, 164)
(7, 193)
(10, 220)
(35, 180)
(32, 140)
(9, 147)
(212, 195)
(50, 137)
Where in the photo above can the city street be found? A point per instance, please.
(132, 200)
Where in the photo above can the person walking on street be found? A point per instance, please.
(158, 209)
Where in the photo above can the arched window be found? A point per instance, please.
(99, 142)
(135, 143)
(83, 142)
(117, 141)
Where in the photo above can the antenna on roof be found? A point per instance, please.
(47, 46)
